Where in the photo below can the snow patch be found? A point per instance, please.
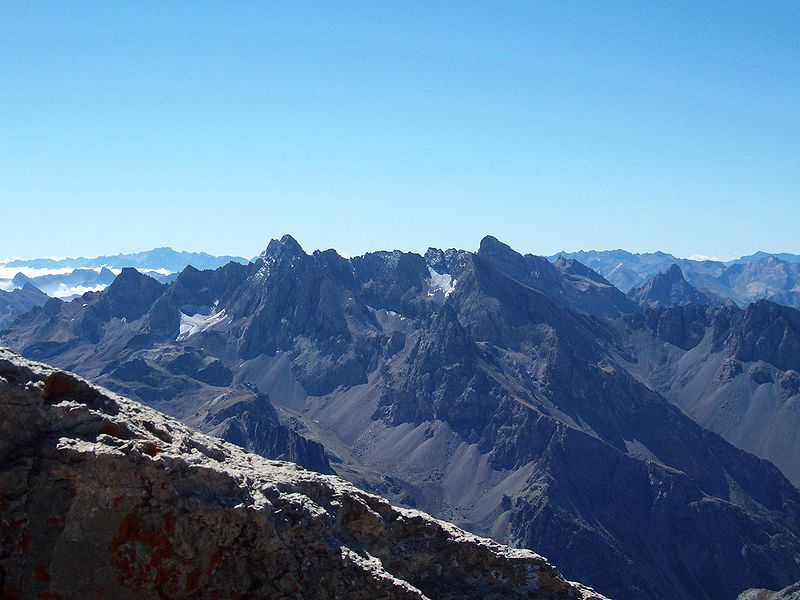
(192, 324)
(615, 269)
(393, 314)
(440, 283)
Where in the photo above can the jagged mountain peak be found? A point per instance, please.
(436, 259)
(670, 287)
(130, 274)
(280, 256)
(286, 246)
(130, 281)
(17, 302)
(129, 296)
(570, 284)
(491, 247)
(451, 261)
(188, 272)
(20, 279)
(674, 273)
(29, 287)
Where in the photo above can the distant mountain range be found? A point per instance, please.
(158, 259)
(68, 278)
(525, 399)
(759, 276)
(18, 302)
(671, 288)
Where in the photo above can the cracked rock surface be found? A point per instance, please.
(101, 497)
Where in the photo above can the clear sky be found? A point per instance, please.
(377, 125)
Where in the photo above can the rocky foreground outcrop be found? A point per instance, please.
(101, 497)
(790, 593)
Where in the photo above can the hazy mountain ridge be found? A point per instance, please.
(670, 288)
(487, 388)
(68, 278)
(758, 276)
(19, 301)
(157, 258)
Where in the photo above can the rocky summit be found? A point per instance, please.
(102, 497)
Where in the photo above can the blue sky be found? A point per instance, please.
(362, 126)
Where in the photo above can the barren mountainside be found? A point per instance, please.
(105, 498)
(734, 371)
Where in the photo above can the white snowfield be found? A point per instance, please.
(192, 324)
(442, 283)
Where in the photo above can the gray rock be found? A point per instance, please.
(789, 593)
(105, 498)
